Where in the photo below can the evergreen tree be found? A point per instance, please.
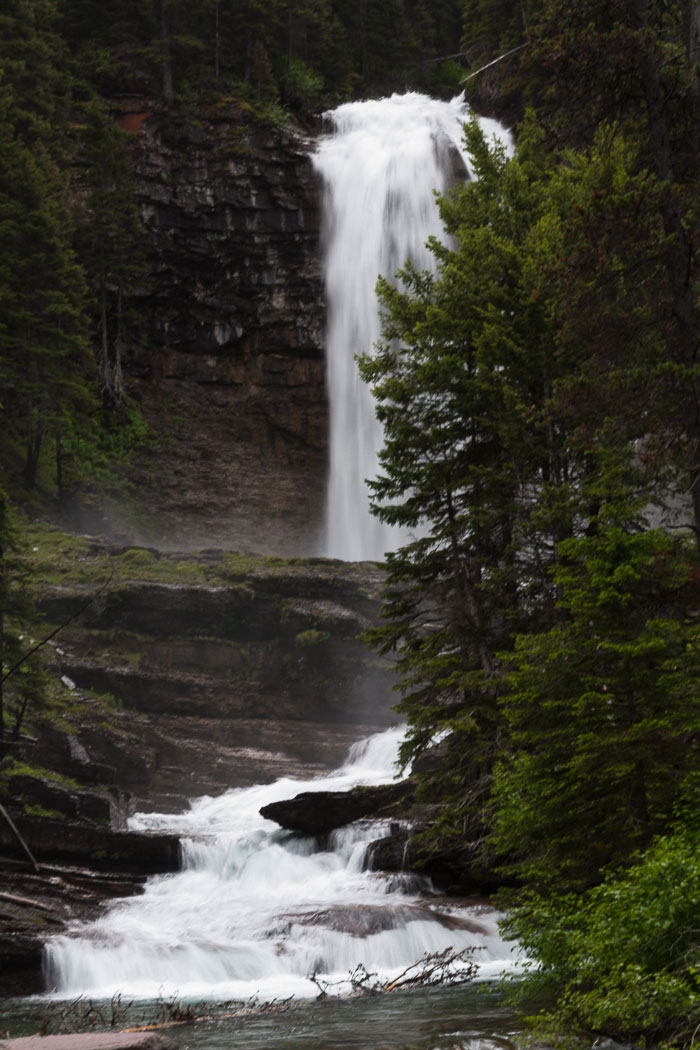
(627, 72)
(462, 377)
(107, 240)
(44, 362)
(600, 709)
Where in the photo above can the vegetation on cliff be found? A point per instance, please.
(541, 439)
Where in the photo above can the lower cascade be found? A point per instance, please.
(256, 911)
(380, 164)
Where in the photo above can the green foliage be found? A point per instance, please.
(600, 708)
(623, 958)
(539, 395)
(311, 637)
(300, 85)
(466, 354)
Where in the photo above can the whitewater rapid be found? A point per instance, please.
(255, 911)
(381, 164)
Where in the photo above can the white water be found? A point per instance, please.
(255, 911)
(380, 166)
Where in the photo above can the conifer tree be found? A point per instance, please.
(44, 362)
(462, 376)
(107, 240)
(600, 714)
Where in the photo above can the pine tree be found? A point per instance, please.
(462, 376)
(44, 362)
(107, 240)
(624, 79)
(601, 727)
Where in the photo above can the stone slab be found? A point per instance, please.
(92, 1041)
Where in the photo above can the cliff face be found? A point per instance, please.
(229, 370)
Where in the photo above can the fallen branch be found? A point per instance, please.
(493, 62)
(15, 831)
(23, 902)
(47, 639)
(437, 968)
(81, 1015)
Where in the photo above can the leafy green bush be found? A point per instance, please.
(624, 958)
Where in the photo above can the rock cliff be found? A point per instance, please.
(228, 364)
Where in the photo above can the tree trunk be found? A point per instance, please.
(2, 625)
(34, 440)
(59, 459)
(217, 42)
(166, 53)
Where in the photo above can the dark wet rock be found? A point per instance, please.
(458, 870)
(37, 905)
(70, 842)
(80, 867)
(61, 800)
(318, 812)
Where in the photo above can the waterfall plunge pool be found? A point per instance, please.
(470, 1017)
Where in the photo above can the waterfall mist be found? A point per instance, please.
(381, 165)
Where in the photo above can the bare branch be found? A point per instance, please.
(493, 62)
(47, 639)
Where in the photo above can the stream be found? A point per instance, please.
(256, 910)
(259, 916)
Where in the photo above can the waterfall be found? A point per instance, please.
(380, 165)
(256, 910)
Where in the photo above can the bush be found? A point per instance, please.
(624, 958)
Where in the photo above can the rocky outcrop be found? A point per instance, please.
(35, 905)
(127, 1040)
(187, 675)
(223, 670)
(318, 812)
(227, 364)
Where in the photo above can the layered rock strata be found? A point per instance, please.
(227, 359)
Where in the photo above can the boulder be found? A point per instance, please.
(318, 812)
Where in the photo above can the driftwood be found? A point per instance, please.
(435, 968)
(80, 1015)
(84, 1015)
(23, 902)
(15, 831)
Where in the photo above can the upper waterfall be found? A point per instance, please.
(381, 165)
